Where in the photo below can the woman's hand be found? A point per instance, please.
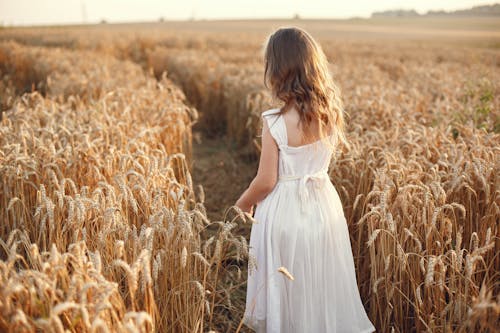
(244, 206)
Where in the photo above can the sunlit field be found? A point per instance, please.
(124, 146)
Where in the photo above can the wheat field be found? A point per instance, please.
(114, 221)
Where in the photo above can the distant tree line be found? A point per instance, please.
(485, 10)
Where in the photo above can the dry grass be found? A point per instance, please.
(106, 174)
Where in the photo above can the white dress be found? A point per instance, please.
(301, 225)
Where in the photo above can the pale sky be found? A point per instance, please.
(27, 12)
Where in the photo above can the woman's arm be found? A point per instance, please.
(267, 173)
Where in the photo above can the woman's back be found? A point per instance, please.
(295, 157)
(296, 132)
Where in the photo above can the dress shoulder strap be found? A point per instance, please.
(276, 125)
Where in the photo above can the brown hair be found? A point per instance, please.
(296, 69)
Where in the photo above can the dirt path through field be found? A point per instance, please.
(223, 173)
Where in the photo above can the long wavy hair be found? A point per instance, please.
(297, 72)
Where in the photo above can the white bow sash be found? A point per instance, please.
(318, 178)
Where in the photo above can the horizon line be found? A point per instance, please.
(160, 20)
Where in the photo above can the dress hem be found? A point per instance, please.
(251, 323)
